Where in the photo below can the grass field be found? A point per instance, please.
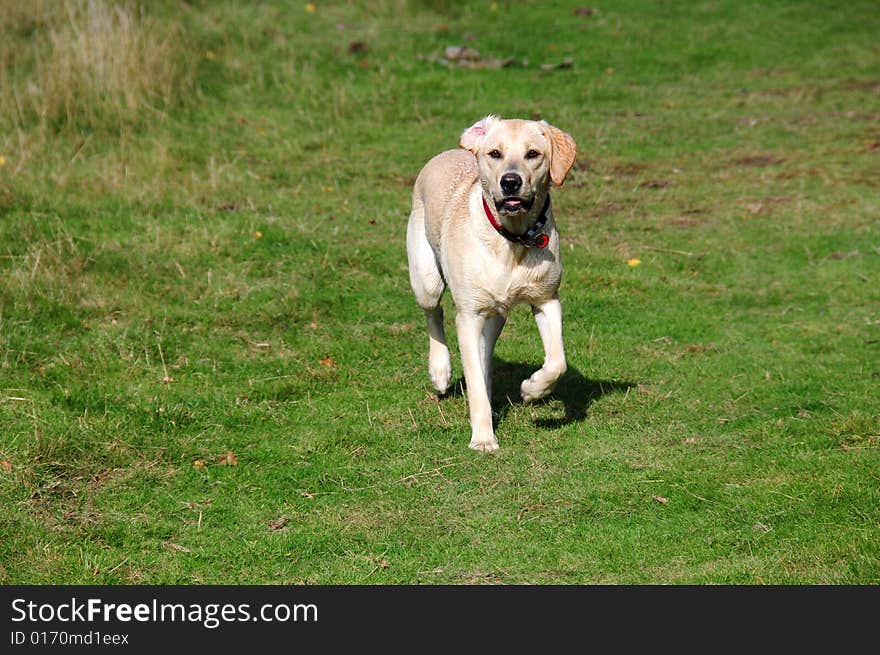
(212, 368)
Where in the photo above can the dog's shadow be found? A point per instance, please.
(576, 392)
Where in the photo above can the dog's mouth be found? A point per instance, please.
(514, 204)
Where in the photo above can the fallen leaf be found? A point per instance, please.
(465, 57)
(328, 362)
(311, 8)
(632, 263)
(583, 11)
(356, 47)
(756, 207)
(278, 523)
(170, 545)
(568, 62)
(258, 234)
(499, 63)
(199, 464)
(660, 499)
(6, 466)
(228, 459)
(2, 161)
(461, 53)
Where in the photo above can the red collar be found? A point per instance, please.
(532, 237)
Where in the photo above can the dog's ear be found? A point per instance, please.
(471, 137)
(563, 151)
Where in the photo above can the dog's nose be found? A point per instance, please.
(511, 183)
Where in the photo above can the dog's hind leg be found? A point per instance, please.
(548, 316)
(428, 286)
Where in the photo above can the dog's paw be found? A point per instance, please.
(485, 445)
(532, 391)
(441, 376)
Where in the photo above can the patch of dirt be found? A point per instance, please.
(759, 160)
(862, 85)
(478, 576)
(844, 255)
(102, 478)
(628, 169)
(610, 208)
(656, 184)
(405, 181)
(684, 221)
(794, 173)
(818, 90)
(696, 348)
(859, 442)
(586, 165)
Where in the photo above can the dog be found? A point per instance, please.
(482, 224)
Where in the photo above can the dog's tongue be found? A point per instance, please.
(514, 202)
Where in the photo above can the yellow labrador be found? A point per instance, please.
(482, 224)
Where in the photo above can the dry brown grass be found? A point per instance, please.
(88, 64)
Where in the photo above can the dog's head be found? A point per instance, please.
(518, 160)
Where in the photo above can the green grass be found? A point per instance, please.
(225, 270)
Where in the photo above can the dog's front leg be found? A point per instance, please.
(491, 330)
(469, 327)
(548, 316)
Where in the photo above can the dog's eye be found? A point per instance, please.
(494, 154)
(532, 154)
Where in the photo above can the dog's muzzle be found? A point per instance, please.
(514, 204)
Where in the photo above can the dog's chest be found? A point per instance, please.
(507, 283)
